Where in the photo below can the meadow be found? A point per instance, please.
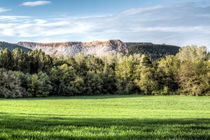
(106, 117)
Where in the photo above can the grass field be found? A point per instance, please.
(106, 117)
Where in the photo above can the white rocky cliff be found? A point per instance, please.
(98, 48)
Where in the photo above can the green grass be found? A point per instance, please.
(106, 117)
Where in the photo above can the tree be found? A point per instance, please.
(147, 81)
(167, 73)
(62, 78)
(194, 78)
(10, 84)
(39, 85)
(194, 70)
(21, 61)
(93, 83)
(109, 80)
(39, 61)
(192, 53)
(124, 72)
(6, 60)
(78, 86)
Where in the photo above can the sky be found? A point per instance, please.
(176, 22)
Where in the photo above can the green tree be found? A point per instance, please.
(21, 61)
(147, 81)
(10, 84)
(94, 84)
(125, 72)
(194, 70)
(194, 78)
(148, 84)
(167, 73)
(6, 59)
(39, 61)
(62, 78)
(39, 85)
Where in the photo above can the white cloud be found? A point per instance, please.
(4, 10)
(179, 24)
(13, 18)
(141, 10)
(28, 27)
(35, 3)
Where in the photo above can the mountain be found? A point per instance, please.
(97, 48)
(102, 48)
(9, 46)
(153, 51)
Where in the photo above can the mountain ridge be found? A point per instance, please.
(103, 48)
(11, 46)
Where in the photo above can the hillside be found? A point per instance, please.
(102, 48)
(97, 48)
(153, 51)
(4, 45)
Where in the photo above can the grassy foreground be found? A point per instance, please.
(106, 117)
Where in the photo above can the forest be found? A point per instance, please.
(152, 51)
(36, 74)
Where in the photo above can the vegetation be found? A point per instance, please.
(35, 74)
(152, 51)
(11, 47)
(106, 117)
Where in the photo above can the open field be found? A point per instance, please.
(106, 117)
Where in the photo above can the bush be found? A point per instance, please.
(10, 84)
(39, 85)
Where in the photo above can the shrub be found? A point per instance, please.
(39, 85)
(10, 84)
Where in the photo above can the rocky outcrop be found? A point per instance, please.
(102, 48)
(97, 48)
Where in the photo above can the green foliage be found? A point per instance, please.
(167, 73)
(78, 86)
(11, 47)
(194, 78)
(62, 78)
(194, 70)
(148, 83)
(192, 53)
(10, 84)
(37, 74)
(39, 85)
(6, 59)
(21, 61)
(152, 51)
(39, 61)
(93, 84)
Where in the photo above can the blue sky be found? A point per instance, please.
(180, 22)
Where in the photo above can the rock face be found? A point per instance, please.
(97, 48)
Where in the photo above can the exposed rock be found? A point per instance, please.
(102, 48)
(97, 48)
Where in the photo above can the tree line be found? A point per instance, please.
(152, 51)
(36, 74)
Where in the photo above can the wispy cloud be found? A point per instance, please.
(4, 10)
(179, 24)
(12, 18)
(35, 3)
(141, 10)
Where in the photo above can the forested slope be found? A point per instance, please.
(35, 74)
(11, 47)
(152, 51)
